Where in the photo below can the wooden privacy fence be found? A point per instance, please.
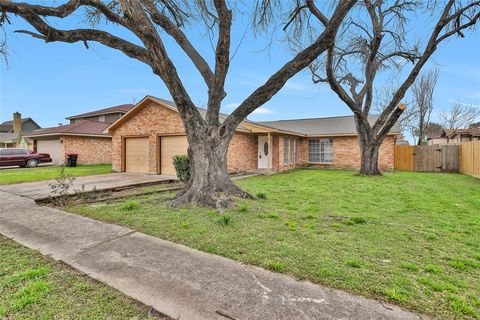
(404, 158)
(470, 158)
(436, 158)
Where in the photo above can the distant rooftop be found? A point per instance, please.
(7, 126)
(123, 108)
(77, 128)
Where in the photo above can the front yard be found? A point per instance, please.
(10, 176)
(35, 287)
(409, 238)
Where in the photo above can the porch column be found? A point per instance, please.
(269, 152)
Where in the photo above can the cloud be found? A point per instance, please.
(297, 86)
(262, 111)
(233, 105)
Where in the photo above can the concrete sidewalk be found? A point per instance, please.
(178, 281)
(41, 189)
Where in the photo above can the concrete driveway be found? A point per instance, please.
(41, 189)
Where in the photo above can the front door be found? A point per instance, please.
(264, 153)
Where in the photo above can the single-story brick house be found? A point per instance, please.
(84, 135)
(147, 137)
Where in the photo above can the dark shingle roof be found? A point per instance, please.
(82, 128)
(123, 108)
(322, 126)
(7, 126)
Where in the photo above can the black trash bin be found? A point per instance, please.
(72, 159)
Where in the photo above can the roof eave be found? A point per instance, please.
(99, 135)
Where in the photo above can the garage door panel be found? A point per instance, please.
(171, 146)
(53, 147)
(136, 155)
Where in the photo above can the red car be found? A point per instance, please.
(22, 157)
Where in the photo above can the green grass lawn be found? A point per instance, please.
(35, 287)
(409, 238)
(9, 176)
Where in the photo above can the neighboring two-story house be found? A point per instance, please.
(12, 132)
(83, 136)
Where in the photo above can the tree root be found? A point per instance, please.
(220, 199)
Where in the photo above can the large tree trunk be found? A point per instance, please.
(369, 149)
(209, 184)
(369, 159)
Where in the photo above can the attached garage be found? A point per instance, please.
(159, 121)
(171, 146)
(136, 154)
(53, 147)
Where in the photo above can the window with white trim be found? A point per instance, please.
(286, 146)
(320, 150)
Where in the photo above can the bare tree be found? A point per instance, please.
(150, 21)
(460, 116)
(367, 47)
(422, 91)
(433, 129)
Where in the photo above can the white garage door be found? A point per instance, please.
(171, 146)
(136, 155)
(53, 147)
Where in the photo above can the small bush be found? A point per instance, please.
(60, 188)
(225, 220)
(182, 167)
(261, 195)
(129, 206)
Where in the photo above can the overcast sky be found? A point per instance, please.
(49, 82)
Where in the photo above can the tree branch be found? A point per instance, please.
(222, 62)
(179, 36)
(300, 61)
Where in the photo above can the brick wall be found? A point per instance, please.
(154, 119)
(242, 153)
(346, 154)
(91, 150)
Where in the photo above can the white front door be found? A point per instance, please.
(264, 153)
